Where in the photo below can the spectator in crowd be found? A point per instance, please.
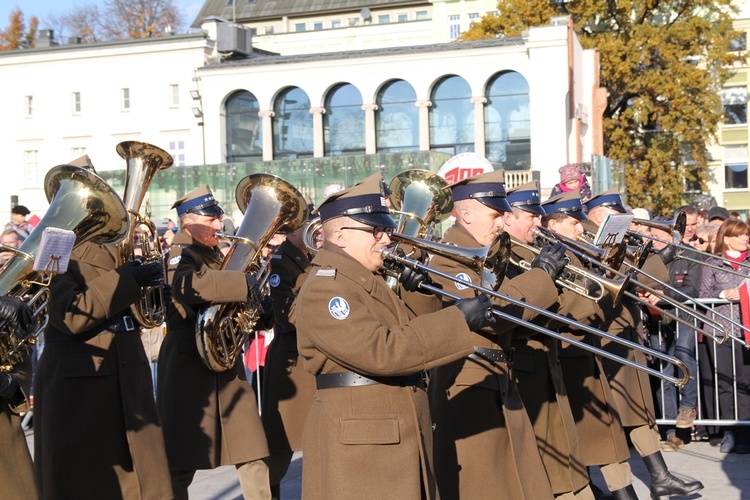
(10, 238)
(732, 247)
(702, 216)
(735, 215)
(718, 214)
(677, 339)
(705, 237)
(18, 221)
(572, 178)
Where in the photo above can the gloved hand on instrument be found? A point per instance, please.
(551, 259)
(150, 274)
(18, 314)
(254, 295)
(411, 279)
(8, 385)
(166, 294)
(668, 254)
(477, 312)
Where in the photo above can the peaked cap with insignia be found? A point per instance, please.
(526, 197)
(566, 203)
(199, 201)
(487, 188)
(609, 199)
(364, 202)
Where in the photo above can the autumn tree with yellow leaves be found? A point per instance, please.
(663, 63)
(111, 20)
(17, 35)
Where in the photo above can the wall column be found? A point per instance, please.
(266, 117)
(370, 135)
(424, 124)
(479, 102)
(318, 139)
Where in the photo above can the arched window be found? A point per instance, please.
(507, 123)
(344, 121)
(244, 139)
(397, 118)
(452, 117)
(292, 125)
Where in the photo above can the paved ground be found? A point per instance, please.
(725, 476)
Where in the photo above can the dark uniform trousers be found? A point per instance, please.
(484, 440)
(288, 389)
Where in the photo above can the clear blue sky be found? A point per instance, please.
(43, 8)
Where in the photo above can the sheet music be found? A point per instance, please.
(54, 250)
(613, 229)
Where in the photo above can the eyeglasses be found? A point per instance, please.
(700, 240)
(377, 231)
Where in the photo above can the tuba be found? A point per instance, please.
(270, 205)
(80, 201)
(143, 161)
(419, 199)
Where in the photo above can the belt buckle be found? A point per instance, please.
(509, 354)
(128, 322)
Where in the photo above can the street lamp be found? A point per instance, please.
(198, 113)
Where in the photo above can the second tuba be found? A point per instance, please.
(270, 205)
(80, 201)
(143, 161)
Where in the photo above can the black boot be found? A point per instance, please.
(663, 483)
(626, 493)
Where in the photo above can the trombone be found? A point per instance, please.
(551, 235)
(455, 253)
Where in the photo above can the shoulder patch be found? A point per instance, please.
(174, 260)
(326, 272)
(339, 308)
(463, 277)
(274, 280)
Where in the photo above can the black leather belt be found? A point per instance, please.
(494, 355)
(351, 379)
(122, 324)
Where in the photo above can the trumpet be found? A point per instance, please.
(575, 278)
(634, 269)
(388, 254)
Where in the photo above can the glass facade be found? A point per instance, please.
(244, 130)
(397, 118)
(292, 125)
(310, 175)
(344, 121)
(452, 117)
(507, 122)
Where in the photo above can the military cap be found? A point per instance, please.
(487, 188)
(609, 199)
(526, 197)
(566, 203)
(364, 202)
(199, 201)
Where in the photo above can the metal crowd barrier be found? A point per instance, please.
(708, 413)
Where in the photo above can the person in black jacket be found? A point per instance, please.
(677, 339)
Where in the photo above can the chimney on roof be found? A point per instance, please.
(46, 39)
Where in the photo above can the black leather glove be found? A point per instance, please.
(265, 320)
(166, 294)
(551, 259)
(151, 274)
(254, 295)
(477, 312)
(18, 314)
(8, 385)
(668, 254)
(411, 279)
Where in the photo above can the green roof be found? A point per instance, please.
(245, 10)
